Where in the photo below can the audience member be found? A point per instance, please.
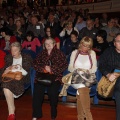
(36, 28)
(7, 38)
(71, 44)
(31, 42)
(101, 43)
(51, 33)
(111, 30)
(97, 23)
(104, 19)
(89, 30)
(19, 31)
(117, 24)
(108, 62)
(42, 64)
(84, 58)
(15, 88)
(68, 28)
(11, 24)
(80, 22)
(52, 23)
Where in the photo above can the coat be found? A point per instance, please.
(17, 87)
(58, 62)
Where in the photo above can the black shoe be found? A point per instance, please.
(53, 118)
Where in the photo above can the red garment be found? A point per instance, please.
(31, 45)
(2, 61)
(3, 43)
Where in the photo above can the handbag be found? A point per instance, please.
(45, 78)
(83, 76)
(105, 87)
(12, 76)
(67, 78)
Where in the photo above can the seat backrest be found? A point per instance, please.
(30, 52)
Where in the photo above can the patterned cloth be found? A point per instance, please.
(17, 87)
(58, 62)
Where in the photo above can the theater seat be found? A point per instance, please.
(93, 91)
(30, 52)
(31, 83)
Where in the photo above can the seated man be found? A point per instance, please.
(108, 62)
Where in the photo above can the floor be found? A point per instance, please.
(66, 111)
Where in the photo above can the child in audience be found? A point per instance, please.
(101, 43)
(71, 44)
(31, 42)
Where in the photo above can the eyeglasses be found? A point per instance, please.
(47, 31)
(86, 46)
(117, 41)
(48, 44)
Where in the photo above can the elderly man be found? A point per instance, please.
(111, 30)
(54, 23)
(89, 30)
(36, 27)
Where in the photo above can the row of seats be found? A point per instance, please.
(70, 90)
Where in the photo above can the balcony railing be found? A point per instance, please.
(97, 7)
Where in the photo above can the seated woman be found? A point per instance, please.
(101, 43)
(49, 32)
(42, 64)
(31, 42)
(67, 29)
(14, 88)
(65, 33)
(19, 31)
(7, 38)
(84, 58)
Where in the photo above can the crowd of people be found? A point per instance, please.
(67, 39)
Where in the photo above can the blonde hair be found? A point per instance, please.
(68, 23)
(87, 41)
(16, 44)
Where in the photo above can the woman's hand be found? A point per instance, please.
(19, 32)
(112, 76)
(47, 68)
(8, 69)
